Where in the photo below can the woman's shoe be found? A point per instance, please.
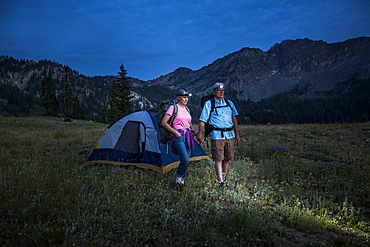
(177, 186)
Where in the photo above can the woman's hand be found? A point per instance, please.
(177, 134)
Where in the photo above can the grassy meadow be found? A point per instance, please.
(290, 185)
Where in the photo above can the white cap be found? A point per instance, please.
(218, 85)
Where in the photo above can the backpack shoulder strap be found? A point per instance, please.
(174, 114)
(228, 103)
(213, 103)
(175, 109)
(214, 108)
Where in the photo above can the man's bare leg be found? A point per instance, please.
(219, 170)
(225, 167)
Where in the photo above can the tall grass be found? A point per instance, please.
(310, 178)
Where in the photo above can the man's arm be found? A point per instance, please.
(236, 130)
(200, 131)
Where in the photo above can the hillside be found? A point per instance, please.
(303, 68)
(20, 84)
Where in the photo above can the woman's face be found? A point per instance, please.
(183, 100)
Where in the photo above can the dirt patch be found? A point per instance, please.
(293, 237)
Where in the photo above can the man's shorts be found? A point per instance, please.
(222, 150)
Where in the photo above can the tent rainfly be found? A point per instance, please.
(133, 139)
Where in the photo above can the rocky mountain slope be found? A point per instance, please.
(257, 75)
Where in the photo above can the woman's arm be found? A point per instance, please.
(165, 124)
(192, 127)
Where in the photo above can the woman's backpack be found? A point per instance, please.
(165, 135)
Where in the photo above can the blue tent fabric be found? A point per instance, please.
(133, 139)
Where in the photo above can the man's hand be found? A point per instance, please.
(236, 130)
(200, 137)
(200, 131)
(237, 140)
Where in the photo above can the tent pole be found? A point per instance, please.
(88, 153)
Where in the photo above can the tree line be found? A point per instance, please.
(29, 100)
(71, 106)
(14, 102)
(348, 102)
(117, 103)
(336, 107)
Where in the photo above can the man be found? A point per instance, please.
(225, 131)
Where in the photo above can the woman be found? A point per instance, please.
(181, 128)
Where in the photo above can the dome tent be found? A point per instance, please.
(133, 139)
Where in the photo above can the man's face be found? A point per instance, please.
(219, 93)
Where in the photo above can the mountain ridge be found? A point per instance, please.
(250, 73)
(257, 75)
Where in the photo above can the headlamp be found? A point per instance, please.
(183, 92)
(218, 85)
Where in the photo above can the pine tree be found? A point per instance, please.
(54, 105)
(111, 108)
(124, 92)
(78, 111)
(67, 94)
(49, 94)
(104, 110)
(44, 89)
(71, 103)
(119, 100)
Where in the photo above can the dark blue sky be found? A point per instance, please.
(155, 37)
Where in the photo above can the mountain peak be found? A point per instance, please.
(257, 75)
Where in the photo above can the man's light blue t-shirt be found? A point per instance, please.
(221, 119)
